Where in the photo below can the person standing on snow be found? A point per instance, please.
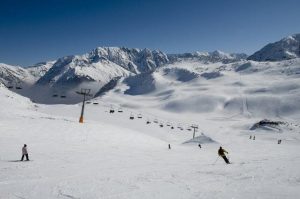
(221, 153)
(25, 153)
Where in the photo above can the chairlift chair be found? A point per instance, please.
(95, 103)
(131, 116)
(148, 122)
(139, 116)
(88, 102)
(155, 121)
(63, 92)
(161, 125)
(120, 110)
(168, 124)
(111, 110)
(54, 93)
(10, 85)
(172, 127)
(18, 85)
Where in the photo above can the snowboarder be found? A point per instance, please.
(221, 153)
(250, 137)
(254, 137)
(199, 145)
(169, 146)
(25, 153)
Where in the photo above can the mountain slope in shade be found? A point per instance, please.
(286, 48)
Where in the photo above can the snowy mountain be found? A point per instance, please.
(132, 59)
(103, 64)
(14, 74)
(286, 48)
(135, 70)
(40, 69)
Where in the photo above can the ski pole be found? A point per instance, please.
(216, 160)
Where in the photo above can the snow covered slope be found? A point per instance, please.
(256, 89)
(111, 156)
(286, 48)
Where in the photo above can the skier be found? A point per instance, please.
(221, 153)
(199, 145)
(24, 153)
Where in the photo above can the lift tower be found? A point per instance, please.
(85, 92)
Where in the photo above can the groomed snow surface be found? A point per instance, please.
(111, 156)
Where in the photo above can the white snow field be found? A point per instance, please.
(111, 156)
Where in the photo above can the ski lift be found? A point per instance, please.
(63, 92)
(54, 93)
(111, 109)
(18, 85)
(131, 116)
(10, 85)
(155, 121)
(120, 110)
(139, 116)
(180, 127)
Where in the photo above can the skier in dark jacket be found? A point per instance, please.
(221, 153)
(25, 153)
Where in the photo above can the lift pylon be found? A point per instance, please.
(85, 92)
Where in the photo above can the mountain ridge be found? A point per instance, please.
(284, 49)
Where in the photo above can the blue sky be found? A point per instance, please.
(34, 30)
